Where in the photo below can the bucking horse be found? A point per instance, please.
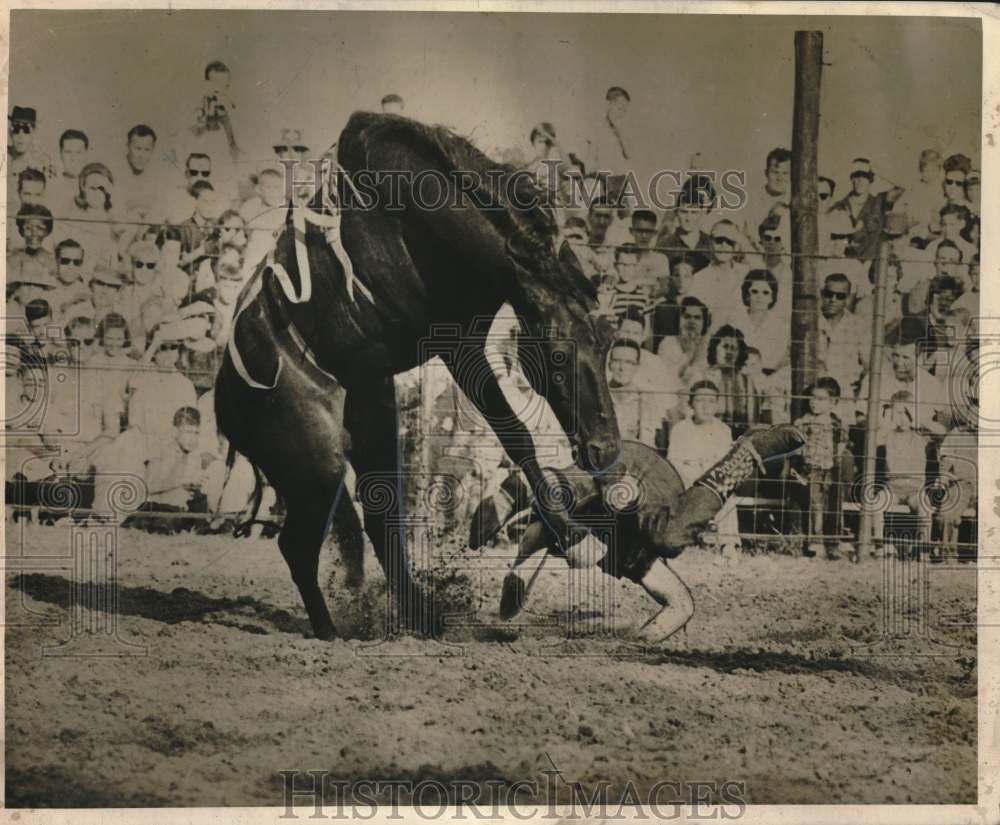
(359, 281)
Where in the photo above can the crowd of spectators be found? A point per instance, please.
(701, 295)
(129, 271)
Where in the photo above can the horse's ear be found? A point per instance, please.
(518, 251)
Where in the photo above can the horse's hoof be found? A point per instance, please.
(512, 596)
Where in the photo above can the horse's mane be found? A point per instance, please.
(532, 228)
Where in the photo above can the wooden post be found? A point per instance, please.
(805, 240)
(867, 542)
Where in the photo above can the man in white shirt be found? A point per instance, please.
(65, 186)
(718, 284)
(608, 150)
(922, 202)
(843, 339)
(640, 414)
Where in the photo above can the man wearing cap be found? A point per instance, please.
(21, 150)
(106, 288)
(867, 211)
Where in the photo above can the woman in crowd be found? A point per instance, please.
(686, 351)
(739, 399)
(93, 220)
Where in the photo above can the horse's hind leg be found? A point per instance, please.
(300, 541)
(347, 532)
(371, 419)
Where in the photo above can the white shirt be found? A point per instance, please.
(155, 397)
(695, 448)
(718, 287)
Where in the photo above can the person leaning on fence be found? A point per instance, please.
(958, 465)
(867, 211)
(904, 453)
(824, 469)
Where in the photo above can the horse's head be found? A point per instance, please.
(564, 348)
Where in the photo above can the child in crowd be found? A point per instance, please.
(905, 465)
(825, 438)
(631, 290)
(698, 442)
(177, 476)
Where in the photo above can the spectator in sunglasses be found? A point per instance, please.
(71, 288)
(953, 187)
(21, 150)
(972, 191)
(79, 406)
(843, 338)
(718, 283)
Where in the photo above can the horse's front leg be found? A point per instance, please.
(371, 418)
(475, 377)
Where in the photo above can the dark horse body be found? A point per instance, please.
(450, 267)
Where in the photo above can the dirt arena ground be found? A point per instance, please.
(775, 684)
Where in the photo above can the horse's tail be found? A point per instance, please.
(242, 529)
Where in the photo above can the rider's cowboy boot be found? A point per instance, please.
(699, 504)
